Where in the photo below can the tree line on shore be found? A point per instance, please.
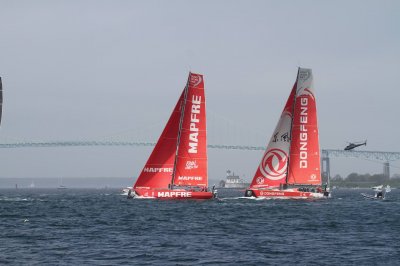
(365, 180)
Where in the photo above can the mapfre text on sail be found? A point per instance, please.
(194, 122)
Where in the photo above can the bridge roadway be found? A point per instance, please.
(326, 153)
(46, 144)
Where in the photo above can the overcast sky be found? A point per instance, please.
(109, 69)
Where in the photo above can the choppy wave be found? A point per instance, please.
(92, 227)
(14, 199)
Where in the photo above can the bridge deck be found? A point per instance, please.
(326, 153)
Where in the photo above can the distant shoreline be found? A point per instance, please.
(68, 182)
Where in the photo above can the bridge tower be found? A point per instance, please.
(386, 170)
(325, 167)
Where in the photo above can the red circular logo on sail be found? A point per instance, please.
(274, 164)
(260, 180)
(195, 80)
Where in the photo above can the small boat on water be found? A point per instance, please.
(233, 181)
(61, 186)
(380, 193)
(290, 166)
(177, 167)
(126, 190)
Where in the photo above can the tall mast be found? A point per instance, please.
(291, 125)
(183, 104)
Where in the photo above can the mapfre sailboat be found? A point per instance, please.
(177, 167)
(290, 166)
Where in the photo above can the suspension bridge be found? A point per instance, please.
(326, 154)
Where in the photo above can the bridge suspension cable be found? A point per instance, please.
(374, 155)
(47, 144)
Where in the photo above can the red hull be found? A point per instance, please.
(284, 194)
(172, 194)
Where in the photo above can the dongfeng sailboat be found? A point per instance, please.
(290, 166)
(177, 167)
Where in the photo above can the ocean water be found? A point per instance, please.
(101, 227)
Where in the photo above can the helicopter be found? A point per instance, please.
(355, 145)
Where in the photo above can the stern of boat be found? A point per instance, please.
(249, 193)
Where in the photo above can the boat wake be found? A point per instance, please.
(267, 198)
(15, 199)
(240, 198)
(142, 197)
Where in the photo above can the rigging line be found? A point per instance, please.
(291, 126)
(183, 104)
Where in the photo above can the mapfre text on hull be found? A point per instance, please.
(171, 194)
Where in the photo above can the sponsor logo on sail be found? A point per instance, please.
(157, 170)
(303, 132)
(304, 74)
(260, 180)
(194, 124)
(195, 80)
(274, 164)
(191, 165)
